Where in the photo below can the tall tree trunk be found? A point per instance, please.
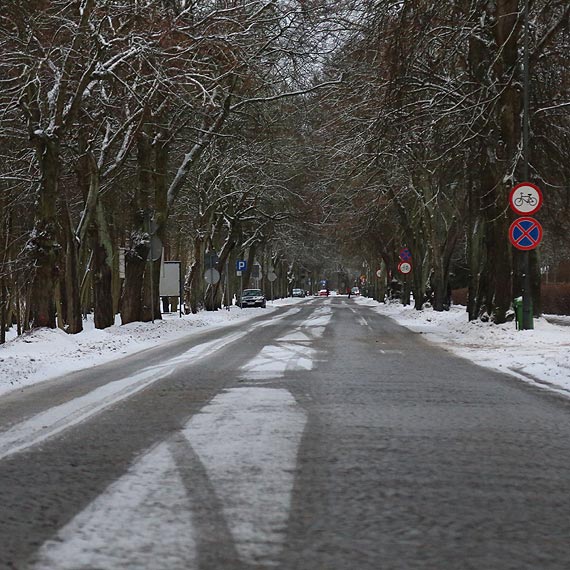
(193, 283)
(419, 276)
(250, 259)
(102, 270)
(493, 63)
(475, 251)
(160, 178)
(132, 306)
(70, 284)
(151, 299)
(225, 252)
(3, 311)
(131, 299)
(44, 246)
(507, 33)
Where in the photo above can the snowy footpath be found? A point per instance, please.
(540, 356)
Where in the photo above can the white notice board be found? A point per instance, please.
(170, 279)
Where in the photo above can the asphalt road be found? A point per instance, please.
(392, 454)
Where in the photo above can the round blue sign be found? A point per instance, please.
(405, 254)
(525, 233)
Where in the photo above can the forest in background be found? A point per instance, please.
(315, 137)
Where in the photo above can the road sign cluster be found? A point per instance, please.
(405, 265)
(525, 232)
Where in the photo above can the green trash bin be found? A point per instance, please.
(518, 307)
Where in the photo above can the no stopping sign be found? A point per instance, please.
(525, 233)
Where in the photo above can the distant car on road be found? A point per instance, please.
(253, 298)
(355, 291)
(324, 293)
(297, 293)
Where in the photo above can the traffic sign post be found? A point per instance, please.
(228, 300)
(271, 276)
(256, 273)
(210, 260)
(241, 266)
(525, 233)
(154, 254)
(212, 276)
(404, 267)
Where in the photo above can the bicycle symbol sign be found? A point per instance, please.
(525, 198)
(525, 233)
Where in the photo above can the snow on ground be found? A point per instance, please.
(539, 356)
(136, 523)
(246, 439)
(44, 353)
(290, 352)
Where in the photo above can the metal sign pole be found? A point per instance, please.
(228, 284)
(527, 321)
(151, 291)
(151, 275)
(181, 289)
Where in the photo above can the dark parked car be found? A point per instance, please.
(253, 298)
(297, 293)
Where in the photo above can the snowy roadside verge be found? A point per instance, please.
(539, 356)
(43, 354)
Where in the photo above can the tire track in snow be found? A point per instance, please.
(50, 423)
(222, 492)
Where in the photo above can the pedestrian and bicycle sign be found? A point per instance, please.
(525, 233)
(525, 199)
(404, 267)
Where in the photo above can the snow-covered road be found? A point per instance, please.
(239, 454)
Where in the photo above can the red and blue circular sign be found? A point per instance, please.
(405, 254)
(525, 233)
